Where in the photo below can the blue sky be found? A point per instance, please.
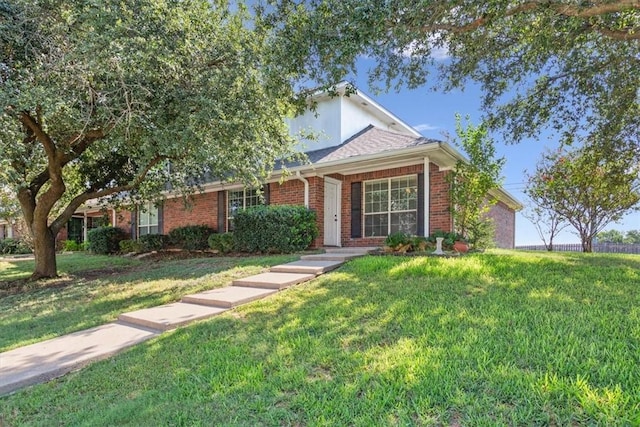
(433, 114)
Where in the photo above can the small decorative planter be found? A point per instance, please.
(461, 247)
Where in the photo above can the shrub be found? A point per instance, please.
(106, 240)
(275, 229)
(130, 246)
(398, 239)
(222, 242)
(482, 234)
(72, 246)
(421, 244)
(191, 237)
(153, 242)
(449, 238)
(13, 247)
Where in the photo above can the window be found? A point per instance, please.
(240, 199)
(391, 205)
(147, 220)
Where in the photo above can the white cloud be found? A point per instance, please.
(438, 48)
(424, 127)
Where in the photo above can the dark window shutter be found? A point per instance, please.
(356, 209)
(266, 193)
(221, 212)
(420, 230)
(161, 218)
(134, 223)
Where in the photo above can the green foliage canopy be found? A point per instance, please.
(568, 64)
(96, 98)
(472, 182)
(588, 187)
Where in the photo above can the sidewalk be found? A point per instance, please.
(53, 358)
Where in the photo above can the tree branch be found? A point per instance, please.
(561, 9)
(32, 125)
(77, 201)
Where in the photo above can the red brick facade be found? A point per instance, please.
(203, 208)
(504, 219)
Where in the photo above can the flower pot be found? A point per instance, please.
(461, 247)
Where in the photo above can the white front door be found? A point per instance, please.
(332, 218)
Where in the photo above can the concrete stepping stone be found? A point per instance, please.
(228, 297)
(338, 257)
(307, 267)
(273, 280)
(43, 361)
(360, 250)
(170, 316)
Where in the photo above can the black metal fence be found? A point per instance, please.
(616, 248)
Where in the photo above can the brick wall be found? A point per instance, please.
(440, 217)
(439, 205)
(505, 221)
(123, 220)
(290, 192)
(201, 209)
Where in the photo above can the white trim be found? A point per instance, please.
(427, 202)
(85, 228)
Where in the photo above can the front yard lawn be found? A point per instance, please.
(505, 338)
(94, 290)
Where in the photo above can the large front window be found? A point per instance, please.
(148, 220)
(240, 199)
(390, 206)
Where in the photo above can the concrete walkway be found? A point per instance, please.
(49, 359)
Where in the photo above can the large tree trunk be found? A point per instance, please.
(44, 241)
(587, 244)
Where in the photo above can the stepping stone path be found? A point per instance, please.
(49, 359)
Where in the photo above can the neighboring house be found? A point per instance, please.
(370, 174)
(7, 230)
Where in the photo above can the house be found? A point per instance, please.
(7, 229)
(370, 174)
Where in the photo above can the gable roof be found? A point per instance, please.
(349, 91)
(370, 140)
(373, 147)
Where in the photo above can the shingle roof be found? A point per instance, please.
(370, 140)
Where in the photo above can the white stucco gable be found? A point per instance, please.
(337, 118)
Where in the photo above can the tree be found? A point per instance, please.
(547, 222)
(568, 64)
(632, 237)
(104, 99)
(610, 236)
(9, 207)
(588, 187)
(472, 181)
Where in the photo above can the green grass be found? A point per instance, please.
(20, 268)
(504, 338)
(94, 290)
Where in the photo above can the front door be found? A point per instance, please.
(332, 219)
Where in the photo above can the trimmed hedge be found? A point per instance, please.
(191, 237)
(222, 242)
(274, 229)
(106, 240)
